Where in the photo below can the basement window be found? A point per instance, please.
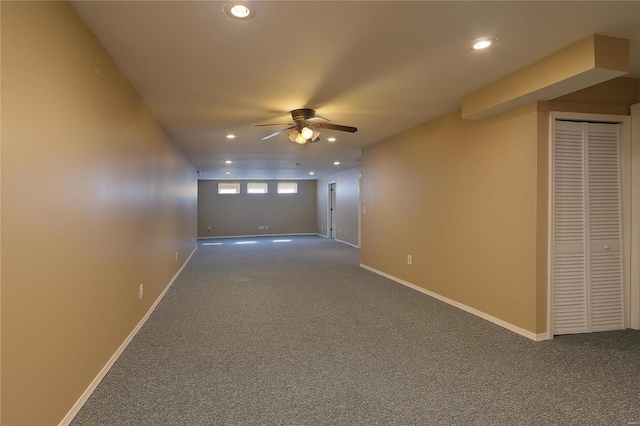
(287, 188)
(257, 188)
(228, 188)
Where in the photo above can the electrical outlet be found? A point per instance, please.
(209, 229)
(409, 259)
(266, 227)
(176, 256)
(364, 209)
(345, 232)
(140, 291)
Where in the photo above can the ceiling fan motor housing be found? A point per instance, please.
(306, 120)
(302, 114)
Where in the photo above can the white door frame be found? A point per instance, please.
(635, 225)
(331, 234)
(359, 210)
(631, 283)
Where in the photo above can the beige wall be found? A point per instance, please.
(460, 197)
(469, 201)
(611, 97)
(241, 214)
(347, 204)
(96, 200)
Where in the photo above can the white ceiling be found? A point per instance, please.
(382, 66)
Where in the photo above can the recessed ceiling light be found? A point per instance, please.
(331, 139)
(228, 162)
(483, 42)
(227, 173)
(336, 163)
(240, 9)
(231, 136)
(312, 173)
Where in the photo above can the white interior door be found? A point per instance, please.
(587, 262)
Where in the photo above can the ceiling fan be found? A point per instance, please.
(305, 127)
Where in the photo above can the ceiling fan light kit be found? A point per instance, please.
(304, 129)
(306, 132)
(295, 136)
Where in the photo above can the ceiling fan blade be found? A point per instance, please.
(274, 124)
(317, 118)
(276, 133)
(338, 127)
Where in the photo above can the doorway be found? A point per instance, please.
(331, 226)
(589, 226)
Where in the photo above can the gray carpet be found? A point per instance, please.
(296, 333)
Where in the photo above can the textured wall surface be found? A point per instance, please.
(460, 197)
(96, 200)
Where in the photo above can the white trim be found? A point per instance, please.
(323, 236)
(550, 235)
(634, 295)
(626, 170)
(360, 208)
(349, 244)
(483, 315)
(94, 384)
(256, 236)
(332, 196)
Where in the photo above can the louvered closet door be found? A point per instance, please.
(605, 227)
(587, 259)
(569, 260)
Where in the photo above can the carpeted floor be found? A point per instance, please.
(296, 333)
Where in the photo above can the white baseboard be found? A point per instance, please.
(340, 241)
(349, 244)
(94, 384)
(483, 315)
(257, 235)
